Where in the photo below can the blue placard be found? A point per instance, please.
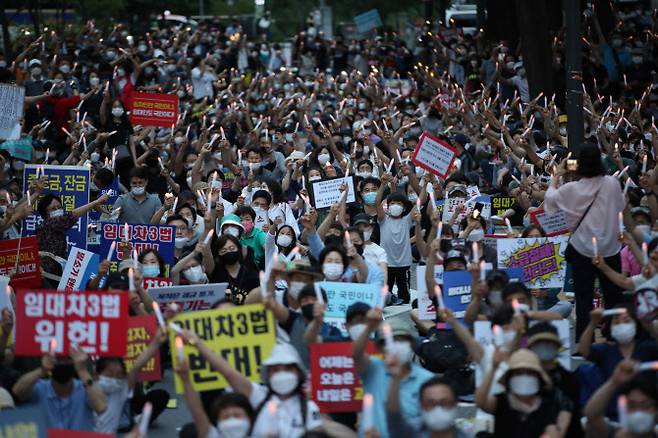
(26, 420)
(71, 185)
(367, 21)
(141, 238)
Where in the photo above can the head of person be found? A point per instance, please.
(623, 325)
(193, 270)
(369, 187)
(517, 292)
(357, 238)
(533, 230)
(525, 378)
(298, 275)
(334, 234)
(111, 374)
(102, 178)
(454, 261)
(63, 371)
(118, 111)
(364, 168)
(229, 250)
(183, 230)
(503, 317)
(283, 371)
(642, 218)
(188, 213)
(50, 206)
(438, 402)
(355, 319)
(334, 262)
(544, 341)
(364, 223)
(261, 200)
(232, 226)
(254, 158)
(641, 405)
(247, 217)
(152, 263)
(286, 238)
(139, 178)
(403, 339)
(308, 298)
(590, 164)
(398, 205)
(496, 282)
(314, 173)
(234, 415)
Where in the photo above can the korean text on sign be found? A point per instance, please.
(335, 385)
(341, 295)
(244, 336)
(500, 204)
(71, 185)
(327, 192)
(140, 334)
(154, 109)
(190, 297)
(542, 259)
(94, 321)
(141, 238)
(28, 274)
(434, 155)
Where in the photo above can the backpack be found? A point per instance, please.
(443, 352)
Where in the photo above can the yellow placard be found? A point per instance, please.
(243, 335)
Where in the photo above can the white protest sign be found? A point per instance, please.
(327, 192)
(11, 101)
(285, 213)
(472, 191)
(261, 218)
(553, 224)
(80, 267)
(434, 155)
(451, 204)
(191, 297)
(426, 309)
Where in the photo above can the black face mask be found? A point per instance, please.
(307, 311)
(359, 249)
(63, 372)
(230, 258)
(445, 245)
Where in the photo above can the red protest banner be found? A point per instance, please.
(153, 109)
(66, 433)
(335, 385)
(28, 274)
(140, 333)
(95, 321)
(434, 155)
(149, 282)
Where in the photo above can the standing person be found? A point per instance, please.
(591, 206)
(202, 78)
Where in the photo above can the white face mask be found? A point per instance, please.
(324, 159)
(395, 210)
(495, 297)
(188, 180)
(403, 351)
(110, 385)
(195, 275)
(367, 234)
(284, 382)
(509, 336)
(332, 271)
(640, 422)
(56, 213)
(294, 288)
(178, 140)
(524, 385)
(284, 240)
(314, 178)
(94, 81)
(117, 112)
(546, 351)
(476, 235)
(438, 418)
(644, 228)
(95, 156)
(623, 333)
(356, 330)
(137, 191)
(181, 242)
(234, 427)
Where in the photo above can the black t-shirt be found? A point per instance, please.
(246, 280)
(511, 423)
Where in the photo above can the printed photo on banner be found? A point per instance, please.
(81, 267)
(51, 321)
(28, 421)
(11, 99)
(243, 335)
(434, 155)
(335, 384)
(542, 259)
(141, 238)
(154, 109)
(553, 224)
(327, 192)
(141, 330)
(71, 185)
(191, 297)
(28, 272)
(341, 295)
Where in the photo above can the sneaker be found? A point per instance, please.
(395, 301)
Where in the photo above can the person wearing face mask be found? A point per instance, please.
(118, 384)
(394, 226)
(51, 233)
(252, 237)
(203, 76)
(231, 225)
(544, 341)
(368, 188)
(641, 405)
(376, 376)
(184, 235)
(280, 239)
(530, 407)
(194, 266)
(438, 402)
(630, 342)
(372, 252)
(67, 401)
(232, 267)
(518, 81)
(138, 206)
(283, 375)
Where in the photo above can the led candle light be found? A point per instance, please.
(645, 253)
(126, 230)
(263, 284)
(516, 307)
(176, 328)
(110, 253)
(439, 230)
(53, 346)
(476, 252)
(623, 414)
(647, 366)
(367, 415)
(180, 353)
(348, 239)
(382, 297)
(621, 223)
(627, 185)
(146, 419)
(509, 226)
(158, 315)
(131, 278)
(595, 245)
(644, 163)
(318, 293)
(612, 312)
(208, 237)
(439, 296)
(388, 336)
(499, 340)
(483, 273)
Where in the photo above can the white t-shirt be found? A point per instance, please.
(374, 253)
(642, 282)
(108, 421)
(289, 422)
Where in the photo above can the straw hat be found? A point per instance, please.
(524, 359)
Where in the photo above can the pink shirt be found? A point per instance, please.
(629, 264)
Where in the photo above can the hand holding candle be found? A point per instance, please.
(595, 246)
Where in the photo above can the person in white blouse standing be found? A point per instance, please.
(203, 76)
(591, 206)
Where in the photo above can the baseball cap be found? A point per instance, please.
(33, 62)
(362, 218)
(355, 309)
